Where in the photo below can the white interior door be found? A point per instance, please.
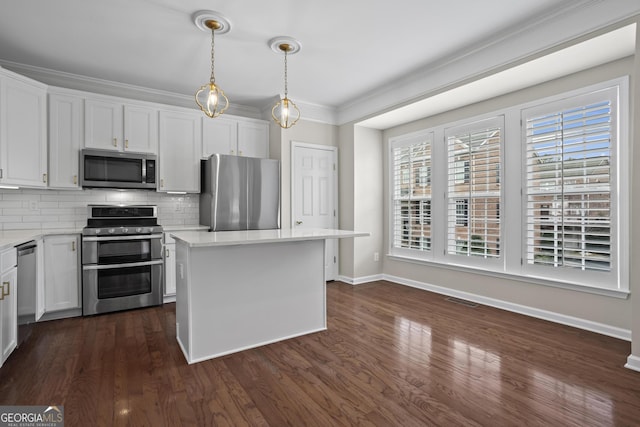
(314, 194)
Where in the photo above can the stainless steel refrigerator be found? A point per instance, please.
(239, 193)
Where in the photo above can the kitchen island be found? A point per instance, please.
(237, 290)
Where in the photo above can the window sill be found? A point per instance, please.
(613, 293)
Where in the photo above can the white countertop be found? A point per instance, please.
(169, 228)
(10, 238)
(248, 237)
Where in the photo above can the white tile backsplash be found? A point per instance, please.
(47, 209)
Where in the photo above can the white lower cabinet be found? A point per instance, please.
(169, 265)
(8, 303)
(62, 272)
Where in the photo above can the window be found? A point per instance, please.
(411, 190)
(474, 191)
(564, 163)
(462, 212)
(569, 149)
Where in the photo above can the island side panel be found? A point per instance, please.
(182, 298)
(244, 296)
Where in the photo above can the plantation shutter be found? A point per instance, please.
(411, 189)
(474, 189)
(568, 182)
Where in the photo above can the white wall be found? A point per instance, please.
(47, 209)
(601, 310)
(280, 148)
(634, 274)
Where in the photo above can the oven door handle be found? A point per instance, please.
(111, 266)
(128, 237)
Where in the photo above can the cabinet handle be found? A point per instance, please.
(126, 143)
(44, 178)
(240, 153)
(8, 289)
(115, 142)
(73, 246)
(0, 173)
(166, 251)
(231, 152)
(2, 291)
(75, 179)
(161, 183)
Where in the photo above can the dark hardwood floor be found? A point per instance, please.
(392, 356)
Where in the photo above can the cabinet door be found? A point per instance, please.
(8, 313)
(180, 148)
(62, 273)
(23, 142)
(253, 139)
(65, 132)
(219, 136)
(169, 266)
(103, 124)
(140, 129)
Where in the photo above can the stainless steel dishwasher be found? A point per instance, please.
(27, 273)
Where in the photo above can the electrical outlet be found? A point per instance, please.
(376, 256)
(33, 205)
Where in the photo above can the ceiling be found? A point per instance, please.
(350, 49)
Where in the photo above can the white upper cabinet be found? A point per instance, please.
(113, 125)
(219, 136)
(140, 129)
(65, 139)
(180, 148)
(103, 125)
(235, 136)
(23, 134)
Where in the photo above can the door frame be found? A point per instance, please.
(334, 150)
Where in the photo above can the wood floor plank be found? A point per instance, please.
(392, 355)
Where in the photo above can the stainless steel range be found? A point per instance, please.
(121, 258)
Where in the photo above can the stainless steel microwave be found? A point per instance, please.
(112, 169)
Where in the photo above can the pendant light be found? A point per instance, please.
(210, 97)
(285, 112)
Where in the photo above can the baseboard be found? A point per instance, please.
(633, 362)
(588, 325)
(360, 280)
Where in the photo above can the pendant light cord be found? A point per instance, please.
(285, 74)
(213, 43)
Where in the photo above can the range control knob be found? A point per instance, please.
(150, 229)
(125, 230)
(139, 230)
(97, 231)
(112, 230)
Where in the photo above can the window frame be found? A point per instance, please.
(419, 249)
(617, 279)
(512, 177)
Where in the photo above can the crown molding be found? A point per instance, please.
(106, 87)
(514, 45)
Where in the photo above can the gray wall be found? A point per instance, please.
(609, 311)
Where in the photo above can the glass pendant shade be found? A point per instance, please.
(285, 113)
(212, 100)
